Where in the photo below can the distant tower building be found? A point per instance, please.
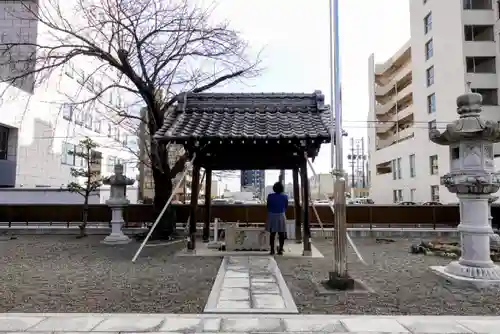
(253, 179)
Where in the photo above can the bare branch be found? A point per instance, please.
(149, 50)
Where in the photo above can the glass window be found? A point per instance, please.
(429, 50)
(4, 142)
(412, 166)
(433, 164)
(429, 74)
(67, 111)
(432, 125)
(431, 103)
(67, 156)
(435, 193)
(428, 23)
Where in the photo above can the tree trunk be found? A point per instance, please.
(163, 189)
(85, 216)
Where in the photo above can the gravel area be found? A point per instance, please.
(401, 282)
(63, 274)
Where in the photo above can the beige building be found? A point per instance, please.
(452, 43)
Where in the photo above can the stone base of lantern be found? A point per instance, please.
(467, 277)
(116, 239)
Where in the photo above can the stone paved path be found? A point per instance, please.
(249, 323)
(250, 284)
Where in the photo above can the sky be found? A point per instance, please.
(293, 36)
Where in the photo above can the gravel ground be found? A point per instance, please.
(401, 282)
(63, 274)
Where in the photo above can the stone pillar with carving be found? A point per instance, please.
(117, 201)
(473, 178)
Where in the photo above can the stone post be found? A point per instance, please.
(117, 201)
(473, 178)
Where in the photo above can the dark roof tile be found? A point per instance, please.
(250, 115)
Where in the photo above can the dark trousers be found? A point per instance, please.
(281, 239)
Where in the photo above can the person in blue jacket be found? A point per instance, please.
(277, 203)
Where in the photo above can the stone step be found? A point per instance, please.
(242, 323)
(250, 284)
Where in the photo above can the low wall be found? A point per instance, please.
(43, 196)
(369, 216)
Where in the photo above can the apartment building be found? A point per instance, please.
(253, 180)
(454, 45)
(40, 128)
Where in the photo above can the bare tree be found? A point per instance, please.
(156, 48)
(85, 151)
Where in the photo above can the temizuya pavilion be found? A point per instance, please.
(249, 131)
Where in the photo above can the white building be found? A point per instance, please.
(39, 127)
(452, 43)
(214, 189)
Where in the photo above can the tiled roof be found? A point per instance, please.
(248, 115)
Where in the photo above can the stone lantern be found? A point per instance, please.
(117, 200)
(473, 178)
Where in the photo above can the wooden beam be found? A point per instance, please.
(208, 204)
(195, 184)
(306, 237)
(298, 213)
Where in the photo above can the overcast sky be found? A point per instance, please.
(294, 37)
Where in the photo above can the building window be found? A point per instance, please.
(4, 142)
(433, 164)
(80, 77)
(412, 195)
(79, 117)
(397, 195)
(67, 111)
(428, 23)
(431, 103)
(434, 193)
(110, 130)
(479, 33)
(79, 161)
(429, 75)
(67, 156)
(413, 172)
(432, 125)
(110, 164)
(478, 4)
(97, 125)
(116, 134)
(429, 50)
(88, 120)
(398, 164)
(480, 64)
(394, 170)
(490, 95)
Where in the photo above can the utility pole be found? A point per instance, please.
(351, 159)
(363, 162)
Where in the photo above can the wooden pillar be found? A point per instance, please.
(298, 210)
(195, 187)
(208, 205)
(306, 236)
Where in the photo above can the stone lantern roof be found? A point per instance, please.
(469, 126)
